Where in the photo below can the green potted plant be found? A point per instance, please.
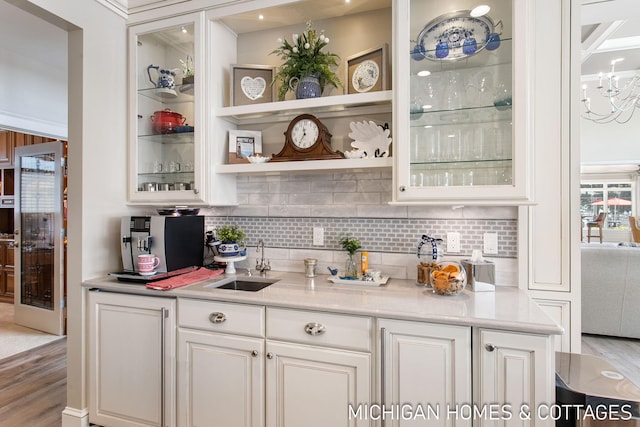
(306, 64)
(232, 240)
(350, 245)
(187, 70)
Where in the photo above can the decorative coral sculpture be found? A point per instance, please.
(370, 138)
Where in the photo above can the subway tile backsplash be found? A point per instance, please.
(283, 209)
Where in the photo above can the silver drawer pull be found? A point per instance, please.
(217, 317)
(314, 328)
(490, 347)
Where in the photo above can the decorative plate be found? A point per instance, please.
(454, 36)
(370, 138)
(365, 76)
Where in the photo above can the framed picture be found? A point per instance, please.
(243, 143)
(367, 71)
(251, 84)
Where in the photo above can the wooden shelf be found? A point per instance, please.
(305, 166)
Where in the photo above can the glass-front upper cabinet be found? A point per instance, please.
(461, 132)
(166, 153)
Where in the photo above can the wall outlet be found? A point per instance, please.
(453, 242)
(491, 243)
(318, 236)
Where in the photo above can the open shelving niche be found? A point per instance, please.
(323, 107)
(359, 106)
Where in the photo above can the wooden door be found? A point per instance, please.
(6, 148)
(39, 246)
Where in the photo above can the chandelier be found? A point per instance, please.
(622, 100)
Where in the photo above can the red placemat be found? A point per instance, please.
(185, 279)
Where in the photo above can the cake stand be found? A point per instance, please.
(230, 260)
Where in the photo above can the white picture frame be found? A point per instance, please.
(244, 143)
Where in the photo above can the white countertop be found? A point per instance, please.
(508, 308)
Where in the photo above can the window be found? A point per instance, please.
(614, 198)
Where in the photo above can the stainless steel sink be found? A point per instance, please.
(247, 285)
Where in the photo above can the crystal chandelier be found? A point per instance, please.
(622, 100)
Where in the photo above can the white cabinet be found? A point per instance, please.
(167, 124)
(220, 364)
(322, 373)
(515, 369)
(308, 371)
(461, 104)
(131, 360)
(427, 367)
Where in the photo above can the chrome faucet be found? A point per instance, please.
(262, 265)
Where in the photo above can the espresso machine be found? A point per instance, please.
(178, 241)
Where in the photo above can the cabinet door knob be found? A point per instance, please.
(254, 353)
(217, 317)
(269, 355)
(314, 328)
(490, 347)
(403, 188)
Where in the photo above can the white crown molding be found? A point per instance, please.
(33, 125)
(120, 7)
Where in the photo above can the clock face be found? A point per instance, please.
(305, 133)
(455, 36)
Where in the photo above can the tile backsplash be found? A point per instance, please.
(283, 209)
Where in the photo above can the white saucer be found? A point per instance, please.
(151, 273)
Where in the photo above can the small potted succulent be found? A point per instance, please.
(187, 70)
(350, 245)
(232, 238)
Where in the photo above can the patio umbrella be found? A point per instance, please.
(615, 201)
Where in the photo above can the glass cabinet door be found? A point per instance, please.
(166, 132)
(458, 105)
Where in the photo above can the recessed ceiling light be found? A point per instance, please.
(261, 17)
(424, 73)
(184, 30)
(347, 1)
(480, 10)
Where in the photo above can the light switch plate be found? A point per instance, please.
(491, 243)
(318, 236)
(453, 242)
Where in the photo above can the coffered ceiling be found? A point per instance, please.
(610, 30)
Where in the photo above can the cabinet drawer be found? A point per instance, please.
(337, 330)
(221, 317)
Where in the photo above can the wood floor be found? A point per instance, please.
(33, 386)
(622, 353)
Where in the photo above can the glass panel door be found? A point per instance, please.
(39, 233)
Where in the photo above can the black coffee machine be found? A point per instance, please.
(178, 241)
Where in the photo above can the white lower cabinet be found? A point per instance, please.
(131, 360)
(315, 386)
(426, 373)
(220, 380)
(220, 364)
(515, 369)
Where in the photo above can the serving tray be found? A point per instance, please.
(381, 281)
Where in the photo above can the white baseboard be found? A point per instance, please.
(72, 417)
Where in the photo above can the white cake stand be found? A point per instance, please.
(230, 260)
